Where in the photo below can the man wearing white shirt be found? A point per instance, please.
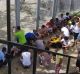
(76, 31)
(65, 31)
(26, 59)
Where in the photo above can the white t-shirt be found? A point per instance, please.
(72, 28)
(65, 31)
(76, 29)
(26, 58)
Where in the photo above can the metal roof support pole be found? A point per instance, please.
(72, 5)
(8, 34)
(17, 11)
(54, 8)
(38, 14)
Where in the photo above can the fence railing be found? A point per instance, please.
(35, 51)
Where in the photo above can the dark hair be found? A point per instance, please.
(52, 20)
(61, 15)
(73, 22)
(4, 49)
(56, 19)
(34, 30)
(77, 19)
(67, 13)
(18, 28)
(43, 26)
(66, 38)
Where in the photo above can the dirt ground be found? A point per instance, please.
(16, 66)
(18, 69)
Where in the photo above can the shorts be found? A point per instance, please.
(75, 36)
(56, 45)
(78, 37)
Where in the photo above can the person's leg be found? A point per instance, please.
(57, 69)
(12, 54)
(75, 35)
(1, 63)
(40, 60)
(5, 62)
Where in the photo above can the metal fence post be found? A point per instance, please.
(8, 34)
(67, 70)
(34, 61)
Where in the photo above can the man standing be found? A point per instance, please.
(20, 35)
(59, 60)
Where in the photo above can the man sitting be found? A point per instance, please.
(26, 59)
(3, 60)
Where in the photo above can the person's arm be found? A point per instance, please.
(49, 43)
(21, 58)
(66, 46)
(44, 42)
(78, 42)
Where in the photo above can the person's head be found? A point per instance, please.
(67, 13)
(4, 49)
(77, 19)
(18, 28)
(66, 38)
(34, 30)
(73, 22)
(61, 15)
(43, 26)
(52, 20)
(57, 19)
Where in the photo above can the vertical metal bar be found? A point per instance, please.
(67, 70)
(72, 5)
(17, 11)
(38, 14)
(54, 8)
(34, 61)
(8, 34)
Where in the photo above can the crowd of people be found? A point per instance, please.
(59, 34)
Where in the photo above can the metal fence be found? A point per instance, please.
(35, 50)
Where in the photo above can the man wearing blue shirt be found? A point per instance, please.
(30, 37)
(3, 57)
